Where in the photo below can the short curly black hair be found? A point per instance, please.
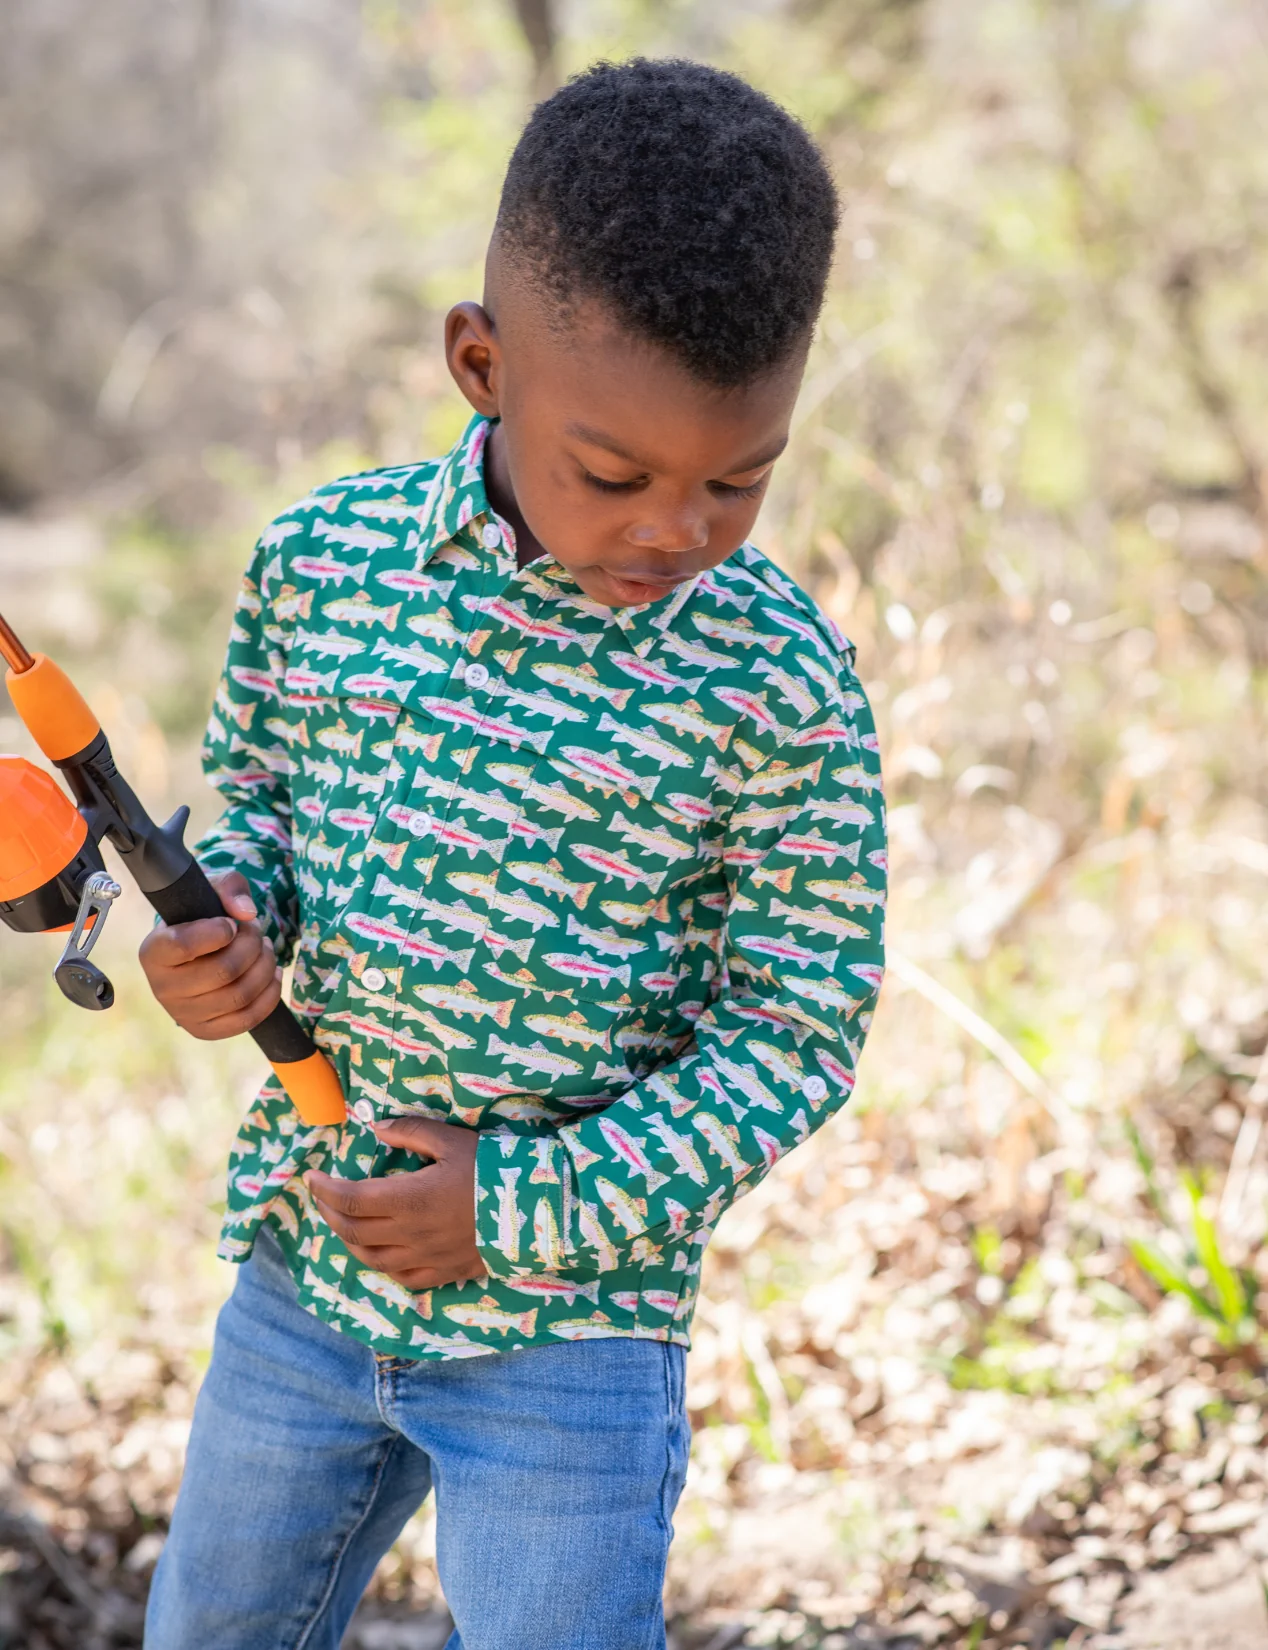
(696, 210)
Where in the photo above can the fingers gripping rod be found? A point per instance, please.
(66, 730)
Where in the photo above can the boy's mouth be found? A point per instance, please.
(645, 587)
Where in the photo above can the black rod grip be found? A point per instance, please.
(190, 898)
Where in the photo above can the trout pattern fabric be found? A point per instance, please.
(606, 885)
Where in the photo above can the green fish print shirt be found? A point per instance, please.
(605, 885)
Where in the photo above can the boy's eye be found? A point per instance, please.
(730, 491)
(609, 486)
(725, 488)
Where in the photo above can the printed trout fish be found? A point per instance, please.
(789, 689)
(720, 1138)
(462, 999)
(518, 907)
(361, 610)
(602, 772)
(537, 1058)
(696, 653)
(488, 1315)
(814, 845)
(652, 674)
(631, 1153)
(853, 893)
(516, 617)
(786, 950)
(353, 537)
(588, 968)
(582, 1329)
(778, 777)
(752, 705)
(537, 704)
(328, 570)
(413, 655)
(582, 679)
(362, 1313)
(439, 627)
(825, 994)
(645, 743)
(686, 1160)
(551, 880)
(465, 713)
(606, 940)
(689, 718)
(449, 834)
(658, 841)
(628, 1212)
(611, 864)
(749, 1084)
(548, 1288)
(633, 916)
(555, 797)
(572, 1028)
(741, 630)
(511, 1219)
(448, 1346)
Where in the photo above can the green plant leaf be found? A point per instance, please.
(1224, 1280)
(1172, 1281)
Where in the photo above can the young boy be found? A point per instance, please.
(567, 804)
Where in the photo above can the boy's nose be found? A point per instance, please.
(676, 534)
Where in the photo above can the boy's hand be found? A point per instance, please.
(216, 977)
(418, 1227)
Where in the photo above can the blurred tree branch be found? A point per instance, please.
(537, 22)
(1183, 291)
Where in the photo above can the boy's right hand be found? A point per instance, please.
(219, 976)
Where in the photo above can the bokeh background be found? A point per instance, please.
(982, 1365)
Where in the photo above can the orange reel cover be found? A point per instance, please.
(40, 831)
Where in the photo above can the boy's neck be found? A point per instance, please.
(501, 495)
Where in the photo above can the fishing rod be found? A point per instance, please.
(53, 878)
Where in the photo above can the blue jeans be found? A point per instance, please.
(556, 1471)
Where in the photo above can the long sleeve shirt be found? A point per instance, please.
(605, 885)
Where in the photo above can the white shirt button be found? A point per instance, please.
(476, 675)
(814, 1088)
(490, 537)
(373, 979)
(363, 1111)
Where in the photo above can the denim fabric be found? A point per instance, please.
(556, 1471)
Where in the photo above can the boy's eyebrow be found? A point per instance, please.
(599, 438)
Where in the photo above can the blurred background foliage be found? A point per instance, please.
(987, 1354)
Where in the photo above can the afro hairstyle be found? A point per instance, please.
(696, 211)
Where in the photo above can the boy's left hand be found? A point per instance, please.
(418, 1227)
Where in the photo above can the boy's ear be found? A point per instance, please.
(474, 355)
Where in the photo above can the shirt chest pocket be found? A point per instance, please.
(583, 899)
(342, 731)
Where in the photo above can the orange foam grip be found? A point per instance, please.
(54, 711)
(313, 1088)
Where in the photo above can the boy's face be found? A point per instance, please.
(631, 473)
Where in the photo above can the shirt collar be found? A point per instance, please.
(458, 500)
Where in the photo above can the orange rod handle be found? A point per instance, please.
(313, 1088)
(56, 714)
